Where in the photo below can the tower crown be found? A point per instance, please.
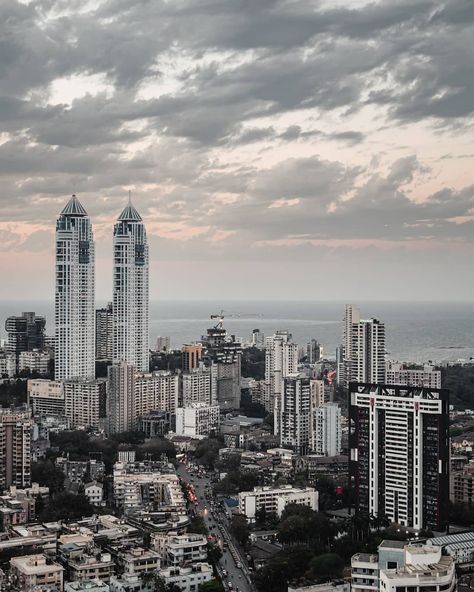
(73, 208)
(129, 213)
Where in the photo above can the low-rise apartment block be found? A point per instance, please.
(275, 499)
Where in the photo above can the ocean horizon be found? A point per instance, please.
(415, 331)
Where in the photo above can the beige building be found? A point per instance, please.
(31, 572)
(138, 560)
(274, 500)
(84, 402)
(46, 397)
(34, 361)
(192, 355)
(15, 448)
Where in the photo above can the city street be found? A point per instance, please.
(237, 578)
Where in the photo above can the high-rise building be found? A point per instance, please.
(314, 351)
(281, 359)
(34, 362)
(399, 453)
(74, 304)
(351, 315)
(258, 339)
(25, 333)
(295, 413)
(368, 352)
(196, 387)
(130, 283)
(156, 391)
(121, 398)
(199, 419)
(192, 355)
(427, 376)
(163, 343)
(104, 333)
(85, 402)
(15, 448)
(325, 430)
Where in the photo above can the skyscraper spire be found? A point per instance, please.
(74, 302)
(129, 212)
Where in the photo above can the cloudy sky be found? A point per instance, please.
(284, 149)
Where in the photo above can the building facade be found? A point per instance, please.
(74, 303)
(295, 413)
(15, 448)
(121, 413)
(199, 419)
(104, 334)
(368, 352)
(326, 430)
(196, 387)
(25, 333)
(399, 453)
(46, 397)
(274, 500)
(130, 287)
(281, 359)
(85, 402)
(34, 362)
(427, 376)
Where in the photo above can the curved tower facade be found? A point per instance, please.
(74, 302)
(130, 280)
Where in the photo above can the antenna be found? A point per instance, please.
(129, 197)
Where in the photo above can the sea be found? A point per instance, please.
(415, 331)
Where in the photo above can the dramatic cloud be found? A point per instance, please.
(272, 132)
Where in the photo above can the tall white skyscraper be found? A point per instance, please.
(74, 304)
(281, 359)
(368, 352)
(130, 306)
(351, 315)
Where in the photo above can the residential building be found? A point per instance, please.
(427, 376)
(192, 355)
(314, 351)
(325, 430)
(338, 586)
(130, 287)
(274, 499)
(183, 549)
(138, 560)
(351, 316)
(46, 397)
(340, 365)
(163, 343)
(295, 413)
(121, 398)
(75, 293)
(88, 563)
(104, 333)
(188, 579)
(87, 586)
(196, 386)
(30, 573)
(25, 333)
(461, 490)
(34, 362)
(281, 360)
(199, 419)
(85, 402)
(15, 448)
(7, 364)
(155, 423)
(131, 583)
(459, 546)
(156, 390)
(399, 453)
(402, 566)
(94, 492)
(258, 339)
(368, 352)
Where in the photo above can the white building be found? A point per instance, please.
(427, 376)
(182, 549)
(401, 566)
(34, 361)
(199, 419)
(163, 343)
(74, 303)
(295, 413)
(87, 586)
(84, 402)
(46, 397)
(274, 500)
(130, 283)
(33, 572)
(326, 430)
(258, 339)
(7, 364)
(368, 352)
(351, 316)
(196, 386)
(94, 492)
(188, 579)
(131, 583)
(281, 359)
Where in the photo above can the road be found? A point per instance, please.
(217, 524)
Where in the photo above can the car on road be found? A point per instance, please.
(239, 565)
(229, 583)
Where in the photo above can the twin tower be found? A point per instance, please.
(75, 292)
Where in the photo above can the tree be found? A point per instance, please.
(207, 452)
(214, 585)
(65, 505)
(327, 566)
(156, 447)
(214, 553)
(47, 474)
(240, 529)
(198, 526)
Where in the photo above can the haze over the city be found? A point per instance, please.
(275, 149)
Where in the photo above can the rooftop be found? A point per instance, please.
(73, 208)
(129, 213)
